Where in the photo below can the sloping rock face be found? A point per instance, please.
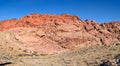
(50, 34)
(9, 45)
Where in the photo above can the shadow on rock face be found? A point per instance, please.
(117, 58)
(116, 62)
(106, 63)
(6, 63)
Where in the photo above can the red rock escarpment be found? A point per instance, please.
(51, 34)
(36, 20)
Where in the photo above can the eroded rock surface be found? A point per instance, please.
(50, 34)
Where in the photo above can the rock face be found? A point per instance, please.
(50, 34)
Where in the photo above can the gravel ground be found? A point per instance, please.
(90, 56)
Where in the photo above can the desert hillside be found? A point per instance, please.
(56, 36)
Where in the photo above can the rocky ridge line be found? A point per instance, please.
(51, 34)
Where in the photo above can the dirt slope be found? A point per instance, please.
(89, 56)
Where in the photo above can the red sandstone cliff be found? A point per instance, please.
(53, 34)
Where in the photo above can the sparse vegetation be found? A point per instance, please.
(25, 50)
(43, 54)
(22, 55)
(28, 54)
(35, 53)
(81, 57)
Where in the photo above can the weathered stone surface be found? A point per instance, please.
(51, 34)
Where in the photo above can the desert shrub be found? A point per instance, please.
(24, 50)
(19, 49)
(43, 54)
(35, 53)
(20, 55)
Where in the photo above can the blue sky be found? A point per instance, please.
(98, 10)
